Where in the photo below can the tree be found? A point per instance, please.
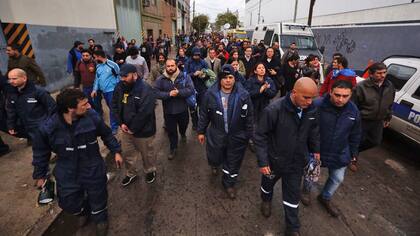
(227, 17)
(200, 23)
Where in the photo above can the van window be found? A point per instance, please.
(302, 42)
(416, 94)
(268, 36)
(399, 75)
(276, 38)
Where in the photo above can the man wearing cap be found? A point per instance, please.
(193, 68)
(74, 55)
(133, 104)
(226, 124)
(285, 135)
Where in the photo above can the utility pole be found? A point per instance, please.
(259, 11)
(193, 9)
(311, 9)
(296, 7)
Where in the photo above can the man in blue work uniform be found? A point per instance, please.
(105, 81)
(193, 68)
(80, 171)
(226, 120)
(285, 135)
(340, 132)
(27, 103)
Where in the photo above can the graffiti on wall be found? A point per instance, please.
(341, 41)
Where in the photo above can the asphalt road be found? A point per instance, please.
(380, 199)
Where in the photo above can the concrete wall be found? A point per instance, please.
(330, 10)
(360, 44)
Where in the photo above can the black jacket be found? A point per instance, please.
(249, 65)
(31, 105)
(138, 113)
(260, 100)
(283, 140)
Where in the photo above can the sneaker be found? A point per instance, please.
(306, 198)
(102, 229)
(231, 193)
(172, 154)
(266, 208)
(128, 180)
(150, 177)
(331, 209)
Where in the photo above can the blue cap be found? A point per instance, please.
(126, 69)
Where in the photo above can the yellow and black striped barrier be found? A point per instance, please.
(18, 34)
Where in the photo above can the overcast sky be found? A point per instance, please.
(214, 7)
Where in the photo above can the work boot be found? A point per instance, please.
(306, 198)
(266, 208)
(231, 193)
(294, 233)
(331, 209)
(172, 154)
(102, 229)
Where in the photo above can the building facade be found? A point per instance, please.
(169, 22)
(152, 18)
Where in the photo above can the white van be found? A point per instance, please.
(404, 73)
(285, 34)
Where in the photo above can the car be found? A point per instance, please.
(404, 73)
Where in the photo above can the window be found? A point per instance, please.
(275, 39)
(268, 36)
(416, 94)
(399, 75)
(302, 42)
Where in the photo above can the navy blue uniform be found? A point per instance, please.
(80, 168)
(30, 106)
(226, 149)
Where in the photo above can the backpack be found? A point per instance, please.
(191, 100)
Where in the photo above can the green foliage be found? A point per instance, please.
(227, 17)
(200, 22)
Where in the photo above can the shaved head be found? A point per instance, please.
(17, 72)
(17, 78)
(303, 92)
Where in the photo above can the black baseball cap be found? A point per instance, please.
(126, 69)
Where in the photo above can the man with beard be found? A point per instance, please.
(133, 104)
(173, 88)
(105, 81)
(226, 122)
(158, 69)
(80, 170)
(135, 59)
(285, 135)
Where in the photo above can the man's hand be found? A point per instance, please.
(93, 94)
(317, 156)
(174, 93)
(387, 123)
(125, 129)
(201, 138)
(39, 182)
(265, 170)
(12, 132)
(118, 160)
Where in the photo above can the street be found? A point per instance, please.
(380, 199)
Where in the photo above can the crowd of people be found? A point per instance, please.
(238, 94)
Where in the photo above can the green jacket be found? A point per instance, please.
(33, 71)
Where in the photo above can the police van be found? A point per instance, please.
(404, 73)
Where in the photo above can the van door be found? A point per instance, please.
(406, 107)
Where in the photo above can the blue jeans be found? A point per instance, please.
(335, 177)
(108, 100)
(96, 102)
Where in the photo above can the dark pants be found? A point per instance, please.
(372, 131)
(228, 154)
(172, 122)
(87, 196)
(96, 102)
(77, 81)
(113, 123)
(291, 196)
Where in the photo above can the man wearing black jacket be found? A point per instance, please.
(286, 133)
(133, 104)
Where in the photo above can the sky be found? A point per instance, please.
(214, 7)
